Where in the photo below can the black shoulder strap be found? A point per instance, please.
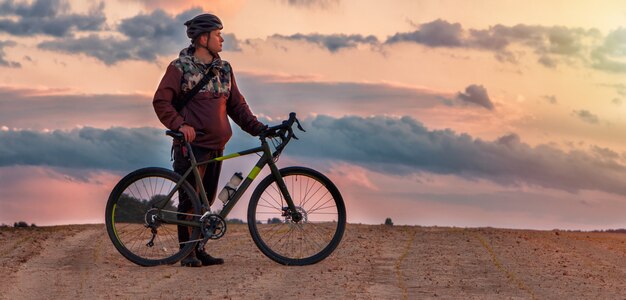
(184, 99)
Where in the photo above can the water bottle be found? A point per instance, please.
(230, 188)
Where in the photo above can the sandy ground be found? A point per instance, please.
(372, 262)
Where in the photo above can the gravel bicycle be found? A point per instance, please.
(296, 215)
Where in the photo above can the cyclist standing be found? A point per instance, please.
(206, 112)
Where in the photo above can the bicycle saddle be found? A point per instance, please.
(175, 134)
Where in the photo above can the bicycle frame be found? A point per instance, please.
(266, 159)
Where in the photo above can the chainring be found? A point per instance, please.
(213, 227)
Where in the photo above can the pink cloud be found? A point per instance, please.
(62, 108)
(353, 175)
(47, 197)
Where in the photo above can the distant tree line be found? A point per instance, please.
(621, 230)
(274, 221)
(235, 221)
(20, 224)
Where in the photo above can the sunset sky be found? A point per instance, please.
(450, 113)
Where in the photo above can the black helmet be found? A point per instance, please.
(201, 24)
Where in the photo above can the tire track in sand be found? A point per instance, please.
(73, 257)
(398, 264)
(496, 262)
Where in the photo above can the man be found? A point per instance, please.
(206, 112)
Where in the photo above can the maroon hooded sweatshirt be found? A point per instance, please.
(209, 109)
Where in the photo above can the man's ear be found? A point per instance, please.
(204, 38)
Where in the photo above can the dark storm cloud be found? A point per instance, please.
(389, 145)
(48, 17)
(3, 61)
(552, 44)
(400, 146)
(438, 33)
(333, 42)
(85, 148)
(146, 36)
(476, 94)
(108, 50)
(547, 42)
(586, 116)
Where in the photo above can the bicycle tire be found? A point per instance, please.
(127, 208)
(320, 230)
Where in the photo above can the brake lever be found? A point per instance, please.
(282, 134)
(291, 134)
(300, 126)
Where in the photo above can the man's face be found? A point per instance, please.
(215, 41)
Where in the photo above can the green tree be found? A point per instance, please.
(20, 224)
(274, 221)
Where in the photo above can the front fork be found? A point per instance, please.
(290, 210)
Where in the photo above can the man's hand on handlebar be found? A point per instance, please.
(283, 130)
(269, 132)
(188, 131)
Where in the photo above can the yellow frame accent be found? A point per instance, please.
(255, 171)
(229, 156)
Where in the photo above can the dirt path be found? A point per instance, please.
(63, 268)
(372, 262)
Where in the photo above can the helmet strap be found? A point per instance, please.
(207, 46)
(198, 44)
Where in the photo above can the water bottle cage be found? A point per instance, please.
(231, 192)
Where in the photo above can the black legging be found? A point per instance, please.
(209, 180)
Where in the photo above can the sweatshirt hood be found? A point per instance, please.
(189, 51)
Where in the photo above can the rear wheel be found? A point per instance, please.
(314, 232)
(135, 214)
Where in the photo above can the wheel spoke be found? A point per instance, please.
(279, 208)
(279, 194)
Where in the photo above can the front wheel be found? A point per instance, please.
(310, 237)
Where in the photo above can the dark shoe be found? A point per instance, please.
(208, 260)
(191, 261)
